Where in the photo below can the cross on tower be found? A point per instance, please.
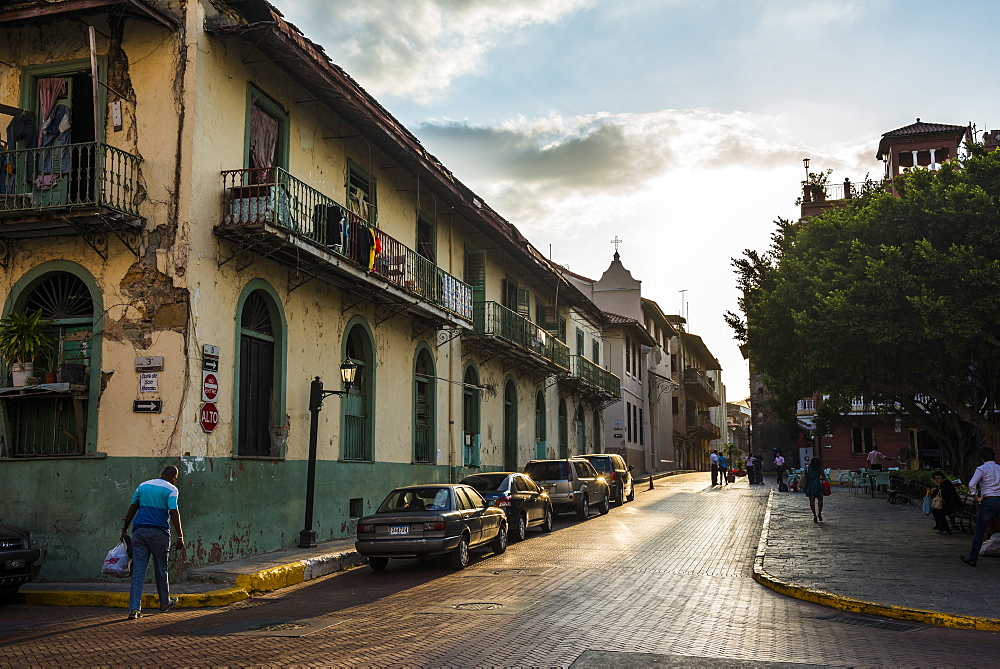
(616, 242)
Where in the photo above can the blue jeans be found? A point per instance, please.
(149, 542)
(989, 509)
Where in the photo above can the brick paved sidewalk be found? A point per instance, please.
(886, 553)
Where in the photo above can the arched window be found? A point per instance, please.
(259, 396)
(423, 407)
(510, 426)
(358, 407)
(470, 418)
(541, 448)
(57, 419)
(563, 430)
(581, 430)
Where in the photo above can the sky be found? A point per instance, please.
(678, 126)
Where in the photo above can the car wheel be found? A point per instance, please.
(460, 556)
(546, 525)
(605, 505)
(631, 493)
(520, 528)
(583, 513)
(378, 563)
(499, 544)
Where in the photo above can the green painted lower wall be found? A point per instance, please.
(230, 508)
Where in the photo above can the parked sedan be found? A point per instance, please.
(20, 560)
(525, 503)
(427, 520)
(618, 475)
(572, 485)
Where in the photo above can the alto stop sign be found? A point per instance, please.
(209, 418)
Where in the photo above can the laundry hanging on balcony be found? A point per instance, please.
(55, 130)
(21, 133)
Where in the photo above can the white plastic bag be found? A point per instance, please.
(991, 547)
(117, 563)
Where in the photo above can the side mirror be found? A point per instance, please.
(630, 467)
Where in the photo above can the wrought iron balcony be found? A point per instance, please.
(697, 383)
(68, 190)
(590, 376)
(700, 425)
(271, 211)
(524, 341)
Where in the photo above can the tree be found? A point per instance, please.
(892, 296)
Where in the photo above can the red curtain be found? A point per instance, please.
(263, 142)
(49, 90)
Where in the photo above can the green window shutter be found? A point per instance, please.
(475, 269)
(580, 345)
(596, 359)
(523, 302)
(562, 329)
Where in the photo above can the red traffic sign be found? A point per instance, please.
(209, 417)
(209, 387)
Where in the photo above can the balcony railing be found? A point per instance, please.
(845, 190)
(696, 377)
(74, 175)
(805, 406)
(595, 375)
(272, 196)
(492, 318)
(702, 423)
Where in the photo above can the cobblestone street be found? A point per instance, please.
(667, 576)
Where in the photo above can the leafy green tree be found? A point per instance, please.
(893, 296)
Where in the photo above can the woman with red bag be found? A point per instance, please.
(814, 478)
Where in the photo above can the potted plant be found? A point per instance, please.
(22, 337)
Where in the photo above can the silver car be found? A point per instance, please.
(573, 485)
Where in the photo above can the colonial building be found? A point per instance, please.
(209, 214)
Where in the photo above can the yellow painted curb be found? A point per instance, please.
(120, 599)
(853, 605)
(274, 578)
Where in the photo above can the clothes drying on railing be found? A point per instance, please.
(21, 130)
(56, 131)
(369, 246)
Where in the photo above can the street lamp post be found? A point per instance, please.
(307, 537)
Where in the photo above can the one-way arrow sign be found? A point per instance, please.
(147, 406)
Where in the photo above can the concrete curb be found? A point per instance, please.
(853, 605)
(244, 585)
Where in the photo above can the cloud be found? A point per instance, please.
(416, 48)
(810, 14)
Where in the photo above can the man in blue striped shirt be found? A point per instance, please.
(153, 502)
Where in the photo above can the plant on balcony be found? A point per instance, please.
(814, 187)
(23, 337)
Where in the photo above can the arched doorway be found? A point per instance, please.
(423, 407)
(541, 447)
(358, 406)
(510, 427)
(259, 328)
(470, 417)
(57, 419)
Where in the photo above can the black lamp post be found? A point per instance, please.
(307, 537)
(805, 164)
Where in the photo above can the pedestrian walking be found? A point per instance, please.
(875, 459)
(758, 467)
(987, 480)
(153, 502)
(950, 501)
(752, 469)
(724, 469)
(714, 457)
(814, 477)
(779, 466)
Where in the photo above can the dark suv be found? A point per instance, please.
(20, 560)
(616, 472)
(572, 485)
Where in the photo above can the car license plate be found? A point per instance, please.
(399, 529)
(14, 564)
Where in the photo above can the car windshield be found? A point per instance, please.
(486, 482)
(416, 500)
(553, 470)
(601, 464)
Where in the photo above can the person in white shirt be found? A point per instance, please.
(987, 481)
(779, 465)
(714, 456)
(875, 459)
